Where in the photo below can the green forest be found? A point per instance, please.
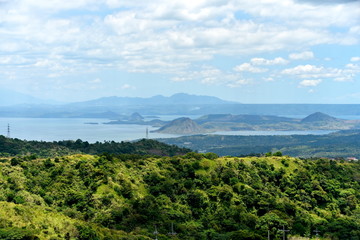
(180, 195)
(14, 146)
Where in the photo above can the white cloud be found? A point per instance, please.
(127, 86)
(353, 66)
(355, 59)
(346, 78)
(355, 30)
(247, 67)
(268, 79)
(263, 61)
(302, 56)
(57, 38)
(160, 29)
(181, 79)
(205, 74)
(238, 83)
(210, 75)
(315, 72)
(96, 80)
(303, 14)
(310, 83)
(348, 73)
(9, 60)
(303, 69)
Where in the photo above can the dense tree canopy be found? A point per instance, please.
(200, 195)
(12, 147)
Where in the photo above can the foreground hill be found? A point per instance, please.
(200, 195)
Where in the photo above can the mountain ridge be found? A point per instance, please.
(177, 104)
(178, 98)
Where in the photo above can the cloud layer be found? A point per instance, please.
(51, 43)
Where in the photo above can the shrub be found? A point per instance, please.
(15, 233)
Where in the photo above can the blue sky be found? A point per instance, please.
(265, 51)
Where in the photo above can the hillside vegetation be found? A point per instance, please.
(201, 195)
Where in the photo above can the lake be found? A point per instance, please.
(92, 130)
(57, 129)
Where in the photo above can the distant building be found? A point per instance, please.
(352, 159)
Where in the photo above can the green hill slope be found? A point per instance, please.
(201, 195)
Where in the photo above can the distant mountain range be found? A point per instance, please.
(20, 105)
(9, 98)
(14, 104)
(176, 99)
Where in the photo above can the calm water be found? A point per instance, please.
(57, 129)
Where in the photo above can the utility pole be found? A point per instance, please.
(316, 231)
(156, 233)
(147, 133)
(284, 232)
(172, 233)
(8, 131)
